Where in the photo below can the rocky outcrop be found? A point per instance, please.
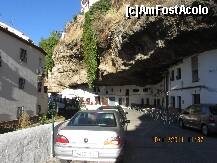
(134, 51)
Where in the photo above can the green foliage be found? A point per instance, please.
(43, 119)
(90, 40)
(48, 46)
(52, 109)
(24, 120)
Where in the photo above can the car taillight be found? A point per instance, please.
(211, 119)
(113, 141)
(61, 139)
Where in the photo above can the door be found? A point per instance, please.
(127, 101)
(120, 101)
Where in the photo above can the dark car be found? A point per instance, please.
(121, 111)
(201, 116)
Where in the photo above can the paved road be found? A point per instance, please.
(141, 148)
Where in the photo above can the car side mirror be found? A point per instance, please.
(127, 121)
(126, 112)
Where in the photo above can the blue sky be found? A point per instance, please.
(38, 18)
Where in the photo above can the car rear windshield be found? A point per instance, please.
(213, 109)
(93, 119)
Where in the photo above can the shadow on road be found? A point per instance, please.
(141, 147)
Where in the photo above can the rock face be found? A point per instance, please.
(69, 66)
(134, 51)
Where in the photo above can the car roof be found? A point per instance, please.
(98, 111)
(110, 107)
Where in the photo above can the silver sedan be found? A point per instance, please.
(91, 136)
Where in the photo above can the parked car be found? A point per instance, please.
(201, 116)
(91, 136)
(121, 111)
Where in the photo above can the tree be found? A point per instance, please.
(48, 46)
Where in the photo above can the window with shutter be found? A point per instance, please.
(23, 55)
(21, 83)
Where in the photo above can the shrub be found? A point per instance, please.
(43, 119)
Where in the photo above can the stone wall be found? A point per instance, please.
(32, 145)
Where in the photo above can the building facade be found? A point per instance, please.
(21, 75)
(193, 80)
(129, 95)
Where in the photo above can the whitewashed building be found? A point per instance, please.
(129, 95)
(21, 75)
(194, 80)
(86, 4)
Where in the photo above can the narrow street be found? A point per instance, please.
(141, 148)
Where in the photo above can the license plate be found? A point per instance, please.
(87, 154)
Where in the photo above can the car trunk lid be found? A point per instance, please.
(88, 137)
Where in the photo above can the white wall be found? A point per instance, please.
(207, 72)
(28, 145)
(11, 70)
(154, 92)
(31, 145)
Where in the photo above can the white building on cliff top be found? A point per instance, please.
(86, 4)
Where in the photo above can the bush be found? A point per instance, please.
(24, 120)
(43, 119)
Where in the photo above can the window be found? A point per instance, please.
(112, 90)
(178, 73)
(194, 67)
(120, 90)
(39, 86)
(135, 90)
(106, 91)
(196, 98)
(145, 90)
(195, 77)
(21, 83)
(23, 55)
(172, 75)
(45, 89)
(93, 119)
(20, 110)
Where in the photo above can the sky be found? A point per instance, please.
(38, 18)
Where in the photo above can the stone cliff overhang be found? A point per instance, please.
(152, 69)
